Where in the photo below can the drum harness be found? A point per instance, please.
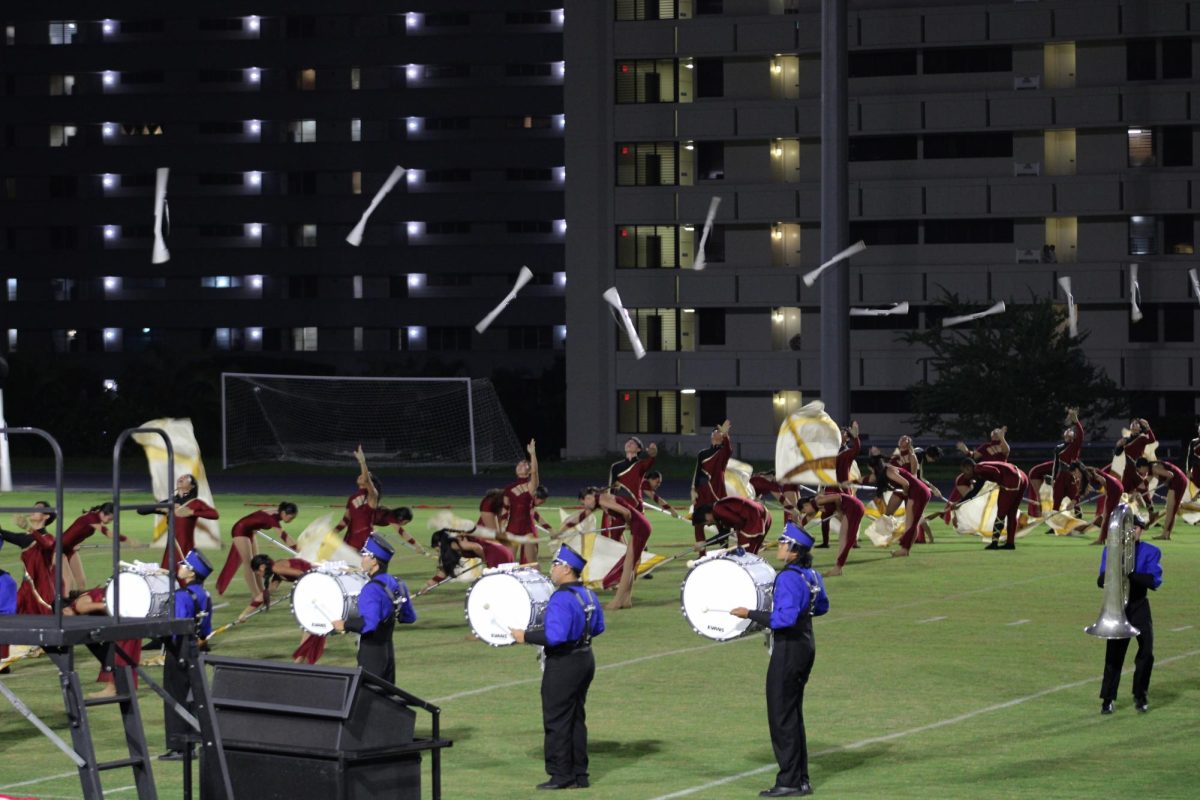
(583, 642)
(814, 587)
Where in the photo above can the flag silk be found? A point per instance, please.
(187, 462)
(603, 553)
(1191, 516)
(737, 479)
(1063, 522)
(807, 446)
(978, 515)
(319, 542)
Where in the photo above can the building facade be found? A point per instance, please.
(994, 147)
(279, 121)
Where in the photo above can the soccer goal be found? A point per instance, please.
(312, 419)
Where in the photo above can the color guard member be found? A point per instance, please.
(244, 547)
(1012, 482)
(708, 479)
(359, 519)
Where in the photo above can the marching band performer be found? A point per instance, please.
(244, 547)
(1066, 452)
(189, 509)
(382, 601)
(620, 511)
(1012, 482)
(1177, 484)
(798, 596)
(93, 520)
(994, 449)
(849, 511)
(1146, 576)
(708, 479)
(360, 507)
(749, 519)
(573, 617)
(491, 510)
(1099, 480)
(851, 446)
(397, 518)
(625, 476)
(907, 486)
(8, 603)
(1134, 446)
(518, 507)
(191, 602)
(36, 595)
(95, 602)
(453, 546)
(651, 483)
(273, 572)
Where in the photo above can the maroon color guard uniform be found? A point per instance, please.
(1193, 461)
(80, 529)
(655, 497)
(1135, 448)
(1064, 484)
(38, 559)
(989, 451)
(361, 519)
(639, 533)
(185, 527)
(519, 500)
(494, 553)
(853, 510)
(748, 518)
(131, 647)
(918, 493)
(626, 476)
(845, 459)
(1012, 482)
(1112, 498)
(245, 527)
(708, 480)
(1178, 482)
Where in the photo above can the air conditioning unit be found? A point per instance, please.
(1028, 257)
(1027, 168)
(1027, 82)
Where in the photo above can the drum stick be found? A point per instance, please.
(718, 611)
(272, 539)
(495, 621)
(661, 510)
(321, 611)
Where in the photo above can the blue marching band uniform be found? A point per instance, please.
(1146, 576)
(798, 596)
(383, 601)
(190, 601)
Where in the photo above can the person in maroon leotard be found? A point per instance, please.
(1134, 447)
(914, 492)
(708, 479)
(621, 511)
(851, 447)
(1099, 480)
(93, 520)
(36, 595)
(94, 601)
(272, 573)
(649, 491)
(518, 508)
(849, 510)
(1177, 484)
(1192, 464)
(748, 519)
(1066, 452)
(359, 518)
(245, 546)
(625, 476)
(452, 546)
(995, 449)
(189, 509)
(1013, 484)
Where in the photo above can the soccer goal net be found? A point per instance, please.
(398, 421)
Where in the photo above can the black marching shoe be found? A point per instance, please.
(581, 782)
(1141, 705)
(171, 755)
(995, 545)
(805, 788)
(1008, 547)
(553, 784)
(1106, 707)
(824, 545)
(783, 791)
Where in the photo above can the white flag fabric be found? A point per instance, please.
(1195, 283)
(187, 462)
(737, 479)
(1135, 294)
(806, 447)
(1072, 313)
(998, 308)
(523, 277)
(320, 542)
(896, 309)
(699, 262)
(613, 298)
(978, 515)
(160, 254)
(356, 234)
(811, 277)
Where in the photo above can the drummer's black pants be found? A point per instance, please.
(564, 691)
(791, 662)
(177, 684)
(1137, 612)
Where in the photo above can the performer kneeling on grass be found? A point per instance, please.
(1146, 576)
(452, 546)
(381, 602)
(191, 602)
(798, 596)
(245, 547)
(272, 573)
(573, 617)
(94, 601)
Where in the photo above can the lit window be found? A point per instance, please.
(109, 130)
(11, 286)
(416, 280)
(560, 68)
(1141, 147)
(306, 79)
(302, 130)
(109, 78)
(560, 121)
(256, 282)
(254, 179)
(110, 385)
(12, 340)
(356, 130)
(558, 16)
(412, 20)
(112, 339)
(10, 34)
(560, 226)
(355, 79)
(1143, 236)
(414, 124)
(253, 127)
(62, 31)
(61, 135)
(254, 230)
(61, 85)
(356, 182)
(112, 284)
(560, 280)
(413, 176)
(111, 232)
(411, 72)
(253, 23)
(254, 334)
(415, 228)
(560, 174)
(304, 339)
(109, 27)
(254, 75)
(308, 236)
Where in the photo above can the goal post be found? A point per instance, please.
(317, 419)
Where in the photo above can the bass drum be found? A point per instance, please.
(719, 583)
(144, 593)
(320, 597)
(507, 598)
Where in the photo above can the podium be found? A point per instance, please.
(293, 730)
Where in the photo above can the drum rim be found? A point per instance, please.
(510, 573)
(345, 600)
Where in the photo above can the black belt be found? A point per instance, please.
(566, 650)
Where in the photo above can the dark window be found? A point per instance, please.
(64, 186)
(1179, 322)
(908, 322)
(529, 226)
(880, 63)
(397, 287)
(303, 27)
(885, 402)
(447, 19)
(62, 238)
(448, 279)
(219, 24)
(220, 179)
(710, 6)
(714, 247)
(1176, 58)
(1177, 146)
(885, 232)
(530, 337)
(139, 26)
(945, 60)
(455, 175)
(710, 327)
(221, 128)
(968, 231)
(222, 231)
(435, 71)
(528, 174)
(447, 337)
(1144, 330)
(447, 228)
(883, 148)
(968, 145)
(710, 161)
(219, 76)
(1179, 237)
(710, 77)
(527, 18)
(712, 409)
(301, 183)
(526, 70)
(447, 123)
(1140, 58)
(302, 287)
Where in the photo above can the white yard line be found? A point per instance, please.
(1182, 628)
(931, 619)
(1019, 622)
(942, 723)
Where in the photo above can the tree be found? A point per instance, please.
(1019, 369)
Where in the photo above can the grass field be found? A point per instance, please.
(956, 673)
